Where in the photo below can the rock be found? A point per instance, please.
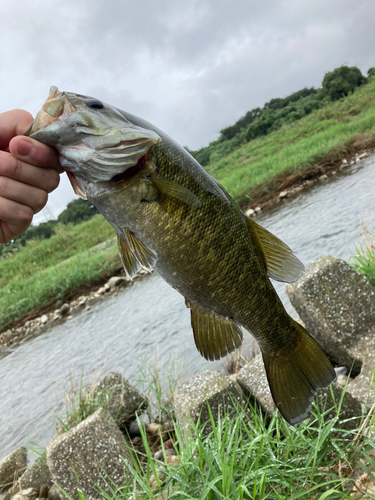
(258, 209)
(82, 301)
(172, 459)
(337, 305)
(12, 466)
(35, 476)
(87, 455)
(341, 370)
(253, 380)
(249, 212)
(115, 281)
(155, 428)
(344, 162)
(64, 309)
(168, 444)
(154, 482)
(135, 428)
(363, 155)
(323, 177)
(101, 290)
(44, 319)
(170, 452)
(207, 387)
(55, 494)
(119, 397)
(341, 380)
(283, 194)
(160, 455)
(29, 494)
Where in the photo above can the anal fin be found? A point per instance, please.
(214, 335)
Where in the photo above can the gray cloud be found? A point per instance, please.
(191, 67)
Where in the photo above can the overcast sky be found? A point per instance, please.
(190, 67)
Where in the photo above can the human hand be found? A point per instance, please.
(29, 170)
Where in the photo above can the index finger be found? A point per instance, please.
(13, 123)
(35, 153)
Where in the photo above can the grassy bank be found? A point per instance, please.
(44, 273)
(327, 135)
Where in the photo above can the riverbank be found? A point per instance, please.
(77, 260)
(85, 296)
(85, 291)
(258, 168)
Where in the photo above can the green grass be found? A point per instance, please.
(363, 260)
(251, 457)
(69, 240)
(47, 271)
(298, 146)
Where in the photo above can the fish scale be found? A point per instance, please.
(171, 215)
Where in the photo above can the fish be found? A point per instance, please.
(172, 216)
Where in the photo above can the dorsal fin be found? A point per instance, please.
(214, 335)
(281, 263)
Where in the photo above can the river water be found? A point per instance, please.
(148, 324)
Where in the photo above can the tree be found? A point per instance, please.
(371, 72)
(341, 81)
(77, 211)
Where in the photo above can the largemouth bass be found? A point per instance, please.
(172, 216)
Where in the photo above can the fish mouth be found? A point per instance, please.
(56, 106)
(95, 146)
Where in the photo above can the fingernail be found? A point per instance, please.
(24, 148)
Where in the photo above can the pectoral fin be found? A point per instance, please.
(214, 335)
(281, 263)
(145, 256)
(128, 259)
(172, 189)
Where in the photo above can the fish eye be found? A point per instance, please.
(94, 104)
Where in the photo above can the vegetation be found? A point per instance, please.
(277, 112)
(341, 81)
(47, 271)
(77, 211)
(256, 167)
(364, 259)
(249, 456)
(80, 401)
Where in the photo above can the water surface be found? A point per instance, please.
(148, 322)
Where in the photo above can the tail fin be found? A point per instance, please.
(295, 376)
